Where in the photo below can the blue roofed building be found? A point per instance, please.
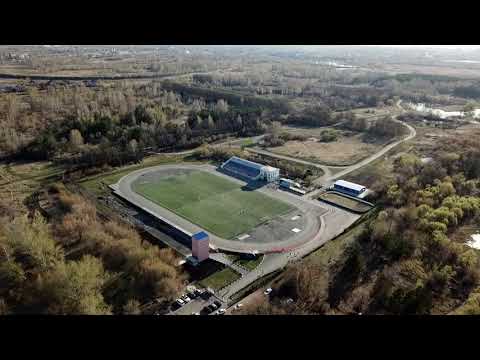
(200, 246)
(202, 235)
(250, 170)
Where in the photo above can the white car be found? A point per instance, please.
(268, 291)
(180, 302)
(238, 306)
(221, 311)
(186, 299)
(195, 313)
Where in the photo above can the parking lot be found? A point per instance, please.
(198, 305)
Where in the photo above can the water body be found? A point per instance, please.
(442, 113)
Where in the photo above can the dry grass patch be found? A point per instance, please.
(349, 148)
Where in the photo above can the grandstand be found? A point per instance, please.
(250, 170)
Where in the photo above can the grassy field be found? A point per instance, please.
(345, 202)
(334, 250)
(212, 202)
(248, 264)
(220, 279)
(96, 184)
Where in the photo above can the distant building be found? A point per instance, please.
(292, 186)
(348, 187)
(251, 170)
(287, 183)
(200, 246)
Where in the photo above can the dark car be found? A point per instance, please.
(206, 295)
(207, 310)
(198, 292)
(175, 306)
(192, 295)
(217, 303)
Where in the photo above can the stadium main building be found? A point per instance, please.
(251, 170)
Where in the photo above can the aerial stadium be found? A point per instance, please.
(219, 201)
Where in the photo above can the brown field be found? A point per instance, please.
(467, 71)
(18, 181)
(349, 148)
(373, 113)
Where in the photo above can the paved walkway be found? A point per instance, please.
(224, 259)
(333, 223)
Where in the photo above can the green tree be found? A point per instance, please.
(31, 243)
(73, 288)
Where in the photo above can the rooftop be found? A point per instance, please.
(349, 185)
(202, 235)
(270, 168)
(246, 162)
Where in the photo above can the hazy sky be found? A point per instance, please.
(464, 47)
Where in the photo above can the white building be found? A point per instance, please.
(348, 187)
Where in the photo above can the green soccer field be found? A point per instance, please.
(212, 202)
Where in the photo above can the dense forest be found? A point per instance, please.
(405, 261)
(79, 264)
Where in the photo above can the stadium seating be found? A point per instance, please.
(237, 167)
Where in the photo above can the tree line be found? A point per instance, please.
(77, 264)
(407, 259)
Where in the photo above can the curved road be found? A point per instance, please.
(411, 135)
(327, 177)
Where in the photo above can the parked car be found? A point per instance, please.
(186, 299)
(268, 291)
(207, 309)
(195, 313)
(198, 292)
(180, 302)
(238, 306)
(218, 303)
(206, 295)
(214, 306)
(191, 295)
(221, 311)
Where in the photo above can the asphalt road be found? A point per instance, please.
(333, 223)
(328, 178)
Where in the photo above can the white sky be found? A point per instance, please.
(465, 47)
